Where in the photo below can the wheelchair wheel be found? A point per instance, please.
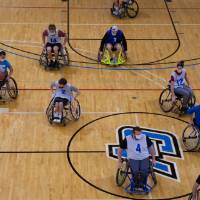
(165, 100)
(11, 87)
(44, 60)
(198, 196)
(132, 8)
(122, 173)
(153, 174)
(65, 56)
(75, 109)
(49, 111)
(190, 138)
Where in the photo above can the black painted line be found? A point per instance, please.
(48, 152)
(146, 39)
(131, 64)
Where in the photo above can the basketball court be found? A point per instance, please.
(40, 161)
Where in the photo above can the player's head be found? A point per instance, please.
(137, 132)
(180, 66)
(52, 28)
(114, 30)
(62, 82)
(2, 54)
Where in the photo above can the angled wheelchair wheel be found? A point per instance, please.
(49, 111)
(198, 196)
(75, 109)
(153, 174)
(44, 60)
(121, 58)
(122, 173)
(65, 56)
(191, 138)
(12, 89)
(132, 8)
(165, 100)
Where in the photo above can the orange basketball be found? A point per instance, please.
(2, 76)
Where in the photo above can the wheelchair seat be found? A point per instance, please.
(71, 112)
(138, 180)
(63, 59)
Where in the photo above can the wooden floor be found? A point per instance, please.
(44, 162)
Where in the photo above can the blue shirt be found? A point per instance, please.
(111, 39)
(196, 110)
(4, 66)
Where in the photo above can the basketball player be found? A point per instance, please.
(52, 40)
(195, 112)
(6, 69)
(113, 40)
(63, 93)
(178, 85)
(138, 147)
(117, 7)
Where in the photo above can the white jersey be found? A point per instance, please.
(53, 38)
(66, 92)
(137, 149)
(179, 79)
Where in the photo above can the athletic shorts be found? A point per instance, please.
(53, 45)
(59, 99)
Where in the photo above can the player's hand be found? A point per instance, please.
(125, 54)
(173, 98)
(153, 161)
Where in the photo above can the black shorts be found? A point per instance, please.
(53, 45)
(59, 99)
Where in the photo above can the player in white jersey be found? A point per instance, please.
(139, 147)
(63, 93)
(52, 40)
(178, 85)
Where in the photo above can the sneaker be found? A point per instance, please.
(56, 120)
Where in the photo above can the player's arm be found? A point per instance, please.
(172, 87)
(64, 36)
(44, 35)
(151, 150)
(123, 145)
(103, 42)
(124, 43)
(187, 79)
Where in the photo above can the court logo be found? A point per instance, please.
(166, 146)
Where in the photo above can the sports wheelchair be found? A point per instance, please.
(191, 137)
(198, 196)
(129, 8)
(167, 105)
(106, 59)
(71, 111)
(136, 185)
(8, 89)
(63, 59)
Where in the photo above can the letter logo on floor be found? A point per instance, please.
(166, 146)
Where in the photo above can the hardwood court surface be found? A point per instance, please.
(34, 161)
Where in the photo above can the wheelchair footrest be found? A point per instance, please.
(131, 189)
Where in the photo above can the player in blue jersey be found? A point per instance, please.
(195, 112)
(6, 69)
(113, 40)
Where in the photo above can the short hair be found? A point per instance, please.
(2, 53)
(180, 63)
(137, 128)
(62, 81)
(52, 26)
